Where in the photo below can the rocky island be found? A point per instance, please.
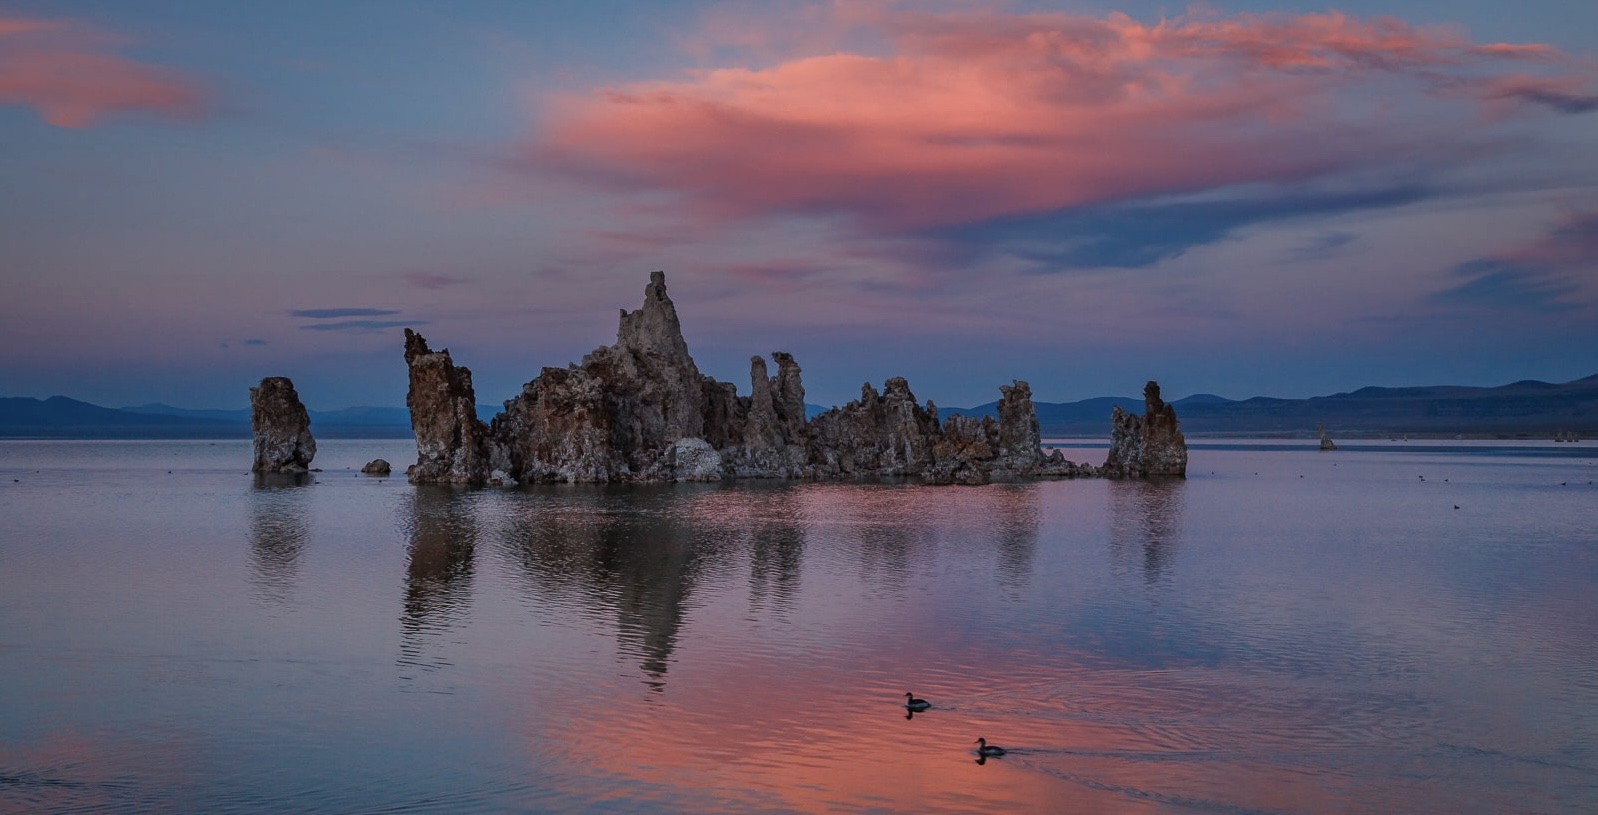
(641, 411)
(281, 428)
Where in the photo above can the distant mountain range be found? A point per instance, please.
(61, 417)
(1525, 408)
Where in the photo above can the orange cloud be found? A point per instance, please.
(962, 117)
(66, 72)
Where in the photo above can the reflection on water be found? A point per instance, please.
(763, 523)
(1327, 636)
(1146, 524)
(775, 556)
(279, 523)
(606, 557)
(438, 575)
(896, 531)
(1019, 518)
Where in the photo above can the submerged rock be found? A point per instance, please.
(281, 428)
(640, 410)
(1146, 446)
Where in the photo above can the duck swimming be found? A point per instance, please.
(985, 749)
(911, 702)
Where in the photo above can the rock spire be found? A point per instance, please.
(452, 444)
(281, 428)
(1147, 446)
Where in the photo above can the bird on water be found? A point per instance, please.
(985, 749)
(911, 702)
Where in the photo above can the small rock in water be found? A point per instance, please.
(281, 427)
(377, 466)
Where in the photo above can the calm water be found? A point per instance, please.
(1286, 631)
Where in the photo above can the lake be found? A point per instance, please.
(1383, 628)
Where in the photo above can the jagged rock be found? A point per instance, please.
(377, 466)
(1146, 446)
(281, 427)
(761, 432)
(452, 444)
(559, 429)
(691, 460)
(976, 451)
(614, 417)
(640, 410)
(725, 414)
(774, 428)
(1020, 441)
(788, 398)
(962, 453)
(887, 434)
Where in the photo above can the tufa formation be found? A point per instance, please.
(281, 427)
(641, 411)
(1146, 446)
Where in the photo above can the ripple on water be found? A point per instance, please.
(1232, 644)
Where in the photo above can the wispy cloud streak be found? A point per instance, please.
(69, 72)
(328, 313)
(1551, 274)
(361, 325)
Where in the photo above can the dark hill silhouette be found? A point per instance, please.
(1528, 407)
(1525, 408)
(60, 416)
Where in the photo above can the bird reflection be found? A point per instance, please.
(279, 524)
(1146, 516)
(438, 576)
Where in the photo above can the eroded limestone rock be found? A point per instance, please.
(377, 466)
(773, 442)
(877, 434)
(1146, 446)
(281, 427)
(452, 445)
(640, 410)
(976, 451)
(617, 416)
(690, 460)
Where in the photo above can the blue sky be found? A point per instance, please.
(1285, 199)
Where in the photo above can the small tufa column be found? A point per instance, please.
(282, 428)
(1147, 446)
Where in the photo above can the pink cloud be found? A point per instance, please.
(67, 72)
(962, 117)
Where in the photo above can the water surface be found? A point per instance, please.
(1285, 631)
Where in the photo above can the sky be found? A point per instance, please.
(1250, 198)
